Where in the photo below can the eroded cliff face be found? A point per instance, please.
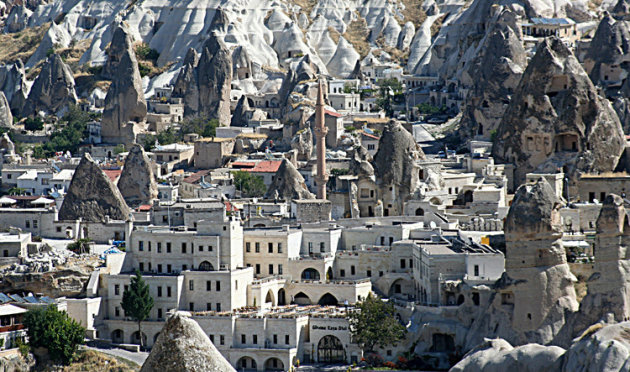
(492, 77)
(288, 184)
(53, 89)
(137, 182)
(556, 120)
(125, 105)
(92, 196)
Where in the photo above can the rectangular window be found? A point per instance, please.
(476, 270)
(279, 247)
(286, 339)
(310, 247)
(168, 291)
(191, 306)
(270, 269)
(159, 247)
(159, 311)
(208, 285)
(159, 289)
(117, 311)
(150, 268)
(257, 247)
(258, 269)
(208, 306)
(191, 285)
(169, 268)
(27, 223)
(255, 339)
(222, 338)
(141, 246)
(34, 224)
(117, 289)
(212, 338)
(275, 339)
(243, 339)
(159, 268)
(217, 286)
(352, 270)
(248, 247)
(270, 247)
(322, 247)
(141, 266)
(236, 285)
(184, 267)
(201, 248)
(218, 306)
(168, 247)
(280, 269)
(402, 263)
(183, 247)
(342, 273)
(369, 273)
(209, 248)
(149, 246)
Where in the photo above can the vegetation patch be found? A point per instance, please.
(357, 34)
(21, 45)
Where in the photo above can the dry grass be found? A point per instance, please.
(334, 34)
(413, 12)
(92, 361)
(581, 289)
(437, 25)
(21, 45)
(357, 34)
(590, 330)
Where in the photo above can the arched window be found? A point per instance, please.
(206, 266)
(330, 350)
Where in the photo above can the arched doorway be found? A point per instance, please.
(274, 364)
(118, 336)
(396, 288)
(282, 297)
(328, 299)
(301, 299)
(329, 274)
(206, 266)
(270, 298)
(330, 350)
(419, 212)
(310, 274)
(135, 338)
(247, 364)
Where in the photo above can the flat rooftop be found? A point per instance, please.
(288, 311)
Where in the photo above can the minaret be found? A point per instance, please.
(320, 135)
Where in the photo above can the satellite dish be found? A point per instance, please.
(432, 224)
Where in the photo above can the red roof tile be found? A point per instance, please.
(243, 164)
(266, 166)
(370, 135)
(144, 208)
(196, 177)
(332, 113)
(113, 174)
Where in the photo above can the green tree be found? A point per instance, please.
(33, 124)
(55, 331)
(372, 323)
(250, 185)
(137, 302)
(79, 246)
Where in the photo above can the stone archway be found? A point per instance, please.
(247, 364)
(328, 299)
(270, 298)
(118, 336)
(282, 297)
(310, 274)
(419, 212)
(330, 350)
(302, 299)
(274, 364)
(396, 288)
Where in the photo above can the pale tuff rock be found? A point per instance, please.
(536, 292)
(556, 119)
(610, 46)
(343, 61)
(609, 287)
(92, 196)
(205, 82)
(406, 36)
(492, 76)
(53, 89)
(603, 348)
(6, 119)
(497, 355)
(56, 37)
(17, 20)
(288, 183)
(360, 162)
(241, 64)
(182, 346)
(13, 84)
(239, 117)
(121, 44)
(302, 142)
(395, 162)
(125, 105)
(137, 182)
